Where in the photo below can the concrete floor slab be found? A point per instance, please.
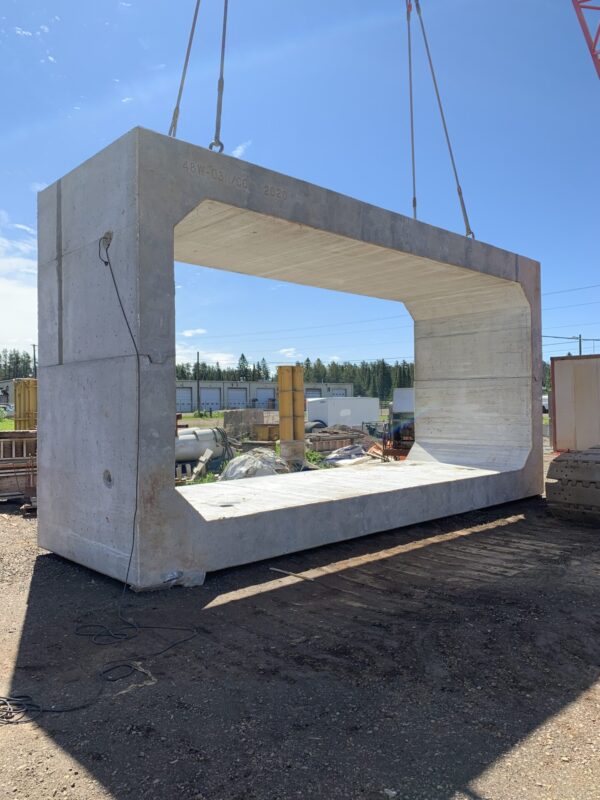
(229, 499)
(476, 310)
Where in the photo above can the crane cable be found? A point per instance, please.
(468, 230)
(412, 116)
(216, 143)
(175, 118)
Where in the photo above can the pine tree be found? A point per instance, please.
(243, 371)
(266, 372)
(319, 371)
(308, 371)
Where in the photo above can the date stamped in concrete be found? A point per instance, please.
(217, 175)
(232, 179)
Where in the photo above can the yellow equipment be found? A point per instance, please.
(25, 404)
(290, 382)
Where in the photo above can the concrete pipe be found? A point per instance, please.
(193, 442)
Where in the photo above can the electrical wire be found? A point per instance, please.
(308, 327)
(574, 305)
(575, 289)
(353, 322)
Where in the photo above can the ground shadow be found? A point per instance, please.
(412, 670)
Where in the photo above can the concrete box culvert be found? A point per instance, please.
(476, 312)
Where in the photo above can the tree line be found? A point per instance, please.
(370, 378)
(244, 371)
(15, 364)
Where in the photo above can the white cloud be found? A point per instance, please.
(18, 321)
(18, 248)
(22, 32)
(44, 29)
(186, 354)
(25, 228)
(127, 5)
(127, 99)
(18, 267)
(334, 358)
(290, 352)
(37, 186)
(239, 151)
(193, 332)
(52, 59)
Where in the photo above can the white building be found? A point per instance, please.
(215, 395)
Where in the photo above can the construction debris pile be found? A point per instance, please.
(248, 446)
(254, 464)
(303, 434)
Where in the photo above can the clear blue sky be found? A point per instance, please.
(317, 90)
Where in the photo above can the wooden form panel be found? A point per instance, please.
(575, 407)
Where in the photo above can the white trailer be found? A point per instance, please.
(351, 411)
(403, 401)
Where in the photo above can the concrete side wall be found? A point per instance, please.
(87, 421)
(477, 363)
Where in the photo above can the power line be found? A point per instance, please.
(574, 305)
(353, 322)
(576, 289)
(571, 325)
(308, 327)
(570, 338)
(395, 316)
(245, 338)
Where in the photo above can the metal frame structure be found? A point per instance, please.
(592, 39)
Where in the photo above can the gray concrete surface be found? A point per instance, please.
(477, 348)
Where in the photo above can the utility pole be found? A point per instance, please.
(579, 344)
(34, 361)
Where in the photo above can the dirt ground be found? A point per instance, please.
(456, 659)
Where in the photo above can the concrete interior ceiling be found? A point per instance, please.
(238, 240)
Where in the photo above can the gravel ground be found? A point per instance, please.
(457, 659)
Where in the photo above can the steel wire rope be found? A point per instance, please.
(468, 229)
(411, 106)
(175, 117)
(216, 143)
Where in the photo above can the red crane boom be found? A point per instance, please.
(582, 7)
